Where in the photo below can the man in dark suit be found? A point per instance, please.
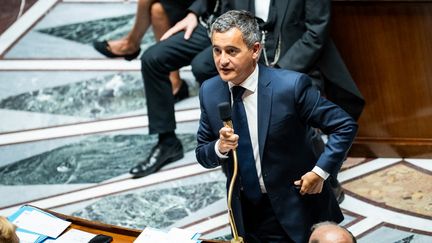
(297, 38)
(285, 193)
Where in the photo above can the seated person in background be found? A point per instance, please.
(7, 231)
(282, 188)
(179, 50)
(330, 232)
(161, 14)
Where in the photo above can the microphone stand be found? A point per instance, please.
(237, 238)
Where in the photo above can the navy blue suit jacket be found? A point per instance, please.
(288, 110)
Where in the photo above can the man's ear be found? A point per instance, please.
(256, 49)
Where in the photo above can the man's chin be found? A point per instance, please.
(226, 76)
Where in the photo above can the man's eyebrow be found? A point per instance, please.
(225, 47)
(233, 47)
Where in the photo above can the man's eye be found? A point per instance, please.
(232, 52)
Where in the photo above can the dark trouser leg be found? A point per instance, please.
(261, 224)
(157, 62)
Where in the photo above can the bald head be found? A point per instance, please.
(330, 233)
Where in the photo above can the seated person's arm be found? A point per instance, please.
(190, 22)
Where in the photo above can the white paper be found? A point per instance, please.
(41, 223)
(176, 233)
(74, 236)
(151, 235)
(25, 237)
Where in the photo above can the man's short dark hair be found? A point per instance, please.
(242, 20)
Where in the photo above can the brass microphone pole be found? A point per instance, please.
(225, 113)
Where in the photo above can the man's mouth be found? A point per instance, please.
(225, 70)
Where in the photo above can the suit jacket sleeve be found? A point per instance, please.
(200, 7)
(319, 112)
(303, 54)
(205, 151)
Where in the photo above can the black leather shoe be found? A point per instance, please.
(182, 93)
(159, 156)
(102, 48)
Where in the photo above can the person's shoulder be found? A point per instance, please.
(212, 83)
(288, 74)
(281, 73)
(287, 82)
(284, 77)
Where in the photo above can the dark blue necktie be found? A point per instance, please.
(246, 160)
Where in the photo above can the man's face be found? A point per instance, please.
(234, 60)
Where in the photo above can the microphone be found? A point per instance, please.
(225, 113)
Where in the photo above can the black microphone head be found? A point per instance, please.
(225, 111)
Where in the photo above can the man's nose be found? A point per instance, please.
(224, 59)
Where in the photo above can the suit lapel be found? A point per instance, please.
(264, 106)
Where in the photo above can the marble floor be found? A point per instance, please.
(74, 122)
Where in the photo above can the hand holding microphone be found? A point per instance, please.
(228, 140)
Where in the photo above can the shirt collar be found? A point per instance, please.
(250, 82)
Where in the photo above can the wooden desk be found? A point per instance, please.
(119, 234)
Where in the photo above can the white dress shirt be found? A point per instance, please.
(262, 8)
